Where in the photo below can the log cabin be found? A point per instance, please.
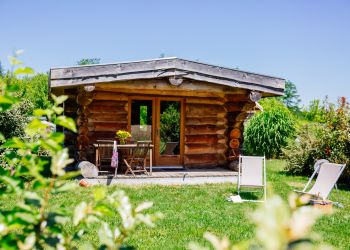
(193, 112)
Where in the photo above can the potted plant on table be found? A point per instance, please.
(122, 135)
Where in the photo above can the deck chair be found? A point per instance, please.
(104, 156)
(136, 160)
(328, 175)
(252, 174)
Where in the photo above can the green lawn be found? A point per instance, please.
(192, 210)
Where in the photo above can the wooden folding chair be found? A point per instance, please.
(136, 161)
(104, 153)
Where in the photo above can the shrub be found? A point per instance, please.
(14, 120)
(318, 110)
(302, 152)
(31, 223)
(33, 93)
(35, 89)
(267, 132)
(329, 140)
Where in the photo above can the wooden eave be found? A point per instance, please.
(164, 68)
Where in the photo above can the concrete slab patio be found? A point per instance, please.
(169, 177)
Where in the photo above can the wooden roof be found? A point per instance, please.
(164, 68)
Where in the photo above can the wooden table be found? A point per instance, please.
(126, 146)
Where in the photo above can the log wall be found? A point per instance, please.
(213, 122)
(108, 114)
(205, 133)
(71, 110)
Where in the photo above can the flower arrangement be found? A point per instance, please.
(122, 135)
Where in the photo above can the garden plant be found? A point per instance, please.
(32, 223)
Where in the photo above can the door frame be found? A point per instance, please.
(156, 122)
(157, 155)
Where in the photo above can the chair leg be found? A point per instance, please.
(129, 169)
(143, 166)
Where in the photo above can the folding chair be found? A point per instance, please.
(104, 154)
(136, 161)
(328, 175)
(252, 174)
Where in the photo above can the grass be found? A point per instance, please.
(192, 210)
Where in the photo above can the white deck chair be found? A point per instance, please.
(328, 175)
(252, 174)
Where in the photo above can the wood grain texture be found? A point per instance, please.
(207, 100)
(197, 110)
(110, 96)
(107, 127)
(234, 143)
(205, 139)
(205, 130)
(235, 133)
(204, 160)
(214, 120)
(195, 149)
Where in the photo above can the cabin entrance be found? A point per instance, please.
(160, 120)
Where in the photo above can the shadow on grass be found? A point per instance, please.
(284, 173)
(109, 180)
(251, 195)
(343, 186)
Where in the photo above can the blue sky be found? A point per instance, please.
(307, 42)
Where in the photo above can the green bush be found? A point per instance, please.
(329, 140)
(302, 152)
(32, 223)
(35, 89)
(33, 94)
(14, 120)
(318, 110)
(267, 132)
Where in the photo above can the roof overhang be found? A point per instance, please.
(162, 68)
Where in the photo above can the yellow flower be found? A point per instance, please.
(122, 135)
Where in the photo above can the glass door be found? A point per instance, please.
(141, 120)
(168, 141)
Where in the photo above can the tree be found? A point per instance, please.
(35, 89)
(291, 98)
(87, 61)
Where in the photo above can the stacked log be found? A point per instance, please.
(83, 99)
(237, 107)
(70, 110)
(205, 133)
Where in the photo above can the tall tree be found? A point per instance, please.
(291, 98)
(86, 61)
